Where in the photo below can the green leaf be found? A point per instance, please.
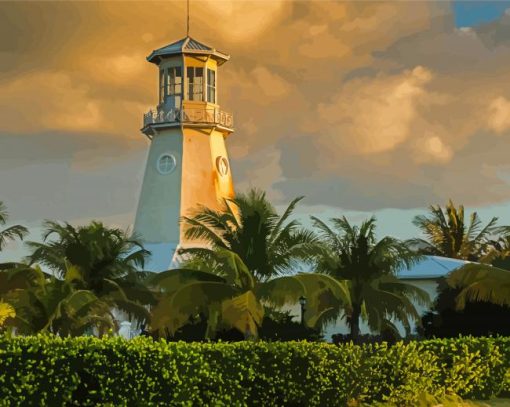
(175, 309)
(244, 313)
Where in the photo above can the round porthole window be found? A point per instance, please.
(222, 165)
(166, 164)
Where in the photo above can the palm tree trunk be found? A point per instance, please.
(212, 323)
(354, 323)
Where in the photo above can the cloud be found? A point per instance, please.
(61, 101)
(374, 116)
(246, 19)
(432, 149)
(68, 176)
(260, 81)
(261, 170)
(499, 115)
(46, 100)
(361, 105)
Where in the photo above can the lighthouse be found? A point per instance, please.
(187, 164)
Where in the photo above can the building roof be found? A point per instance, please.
(431, 267)
(187, 45)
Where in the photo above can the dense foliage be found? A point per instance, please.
(276, 326)
(93, 271)
(249, 263)
(478, 318)
(248, 270)
(102, 260)
(231, 296)
(48, 370)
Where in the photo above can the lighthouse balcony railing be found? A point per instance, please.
(189, 115)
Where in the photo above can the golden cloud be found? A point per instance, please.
(499, 115)
(432, 149)
(375, 116)
(318, 88)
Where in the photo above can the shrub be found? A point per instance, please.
(365, 338)
(49, 370)
(470, 367)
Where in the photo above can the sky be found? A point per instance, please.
(363, 107)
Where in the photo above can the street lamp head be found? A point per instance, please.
(302, 300)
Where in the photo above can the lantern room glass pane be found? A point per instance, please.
(161, 86)
(195, 78)
(211, 86)
(178, 81)
(173, 86)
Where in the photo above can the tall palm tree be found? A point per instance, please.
(98, 259)
(12, 232)
(352, 255)
(480, 282)
(230, 295)
(248, 225)
(449, 234)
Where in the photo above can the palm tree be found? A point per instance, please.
(480, 282)
(12, 232)
(248, 225)
(351, 255)
(43, 303)
(448, 234)
(230, 295)
(98, 259)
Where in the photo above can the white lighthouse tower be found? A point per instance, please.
(187, 164)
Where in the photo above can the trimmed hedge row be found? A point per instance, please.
(53, 371)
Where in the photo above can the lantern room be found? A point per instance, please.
(188, 79)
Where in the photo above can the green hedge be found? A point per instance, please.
(47, 370)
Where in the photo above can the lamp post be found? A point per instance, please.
(302, 302)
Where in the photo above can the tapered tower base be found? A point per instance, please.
(187, 165)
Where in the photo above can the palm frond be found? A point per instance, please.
(422, 246)
(286, 214)
(196, 230)
(345, 228)
(11, 233)
(489, 229)
(4, 216)
(243, 312)
(326, 232)
(175, 309)
(479, 282)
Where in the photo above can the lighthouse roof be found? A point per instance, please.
(187, 45)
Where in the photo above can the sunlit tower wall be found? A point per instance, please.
(187, 165)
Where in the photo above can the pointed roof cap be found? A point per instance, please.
(187, 45)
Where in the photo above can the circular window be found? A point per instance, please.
(166, 163)
(222, 165)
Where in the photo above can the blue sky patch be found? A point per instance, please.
(473, 13)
